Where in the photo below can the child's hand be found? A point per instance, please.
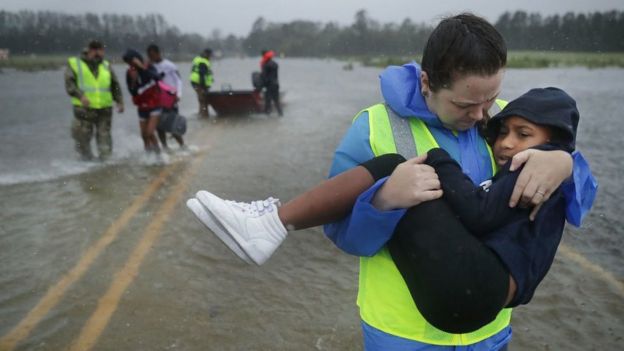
(411, 183)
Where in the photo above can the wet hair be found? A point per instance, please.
(153, 48)
(95, 45)
(207, 52)
(130, 54)
(461, 45)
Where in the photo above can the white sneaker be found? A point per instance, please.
(254, 226)
(207, 219)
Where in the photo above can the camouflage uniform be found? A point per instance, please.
(88, 119)
(85, 120)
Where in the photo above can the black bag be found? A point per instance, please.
(172, 122)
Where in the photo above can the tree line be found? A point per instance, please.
(598, 31)
(44, 32)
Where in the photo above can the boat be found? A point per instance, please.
(239, 102)
(236, 102)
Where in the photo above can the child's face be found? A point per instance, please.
(517, 134)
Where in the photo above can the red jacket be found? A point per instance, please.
(148, 92)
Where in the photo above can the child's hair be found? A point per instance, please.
(131, 54)
(549, 107)
(460, 45)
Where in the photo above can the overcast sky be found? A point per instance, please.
(236, 16)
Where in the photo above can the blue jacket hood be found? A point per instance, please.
(400, 87)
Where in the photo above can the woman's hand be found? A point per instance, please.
(411, 183)
(542, 174)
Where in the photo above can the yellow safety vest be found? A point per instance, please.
(383, 297)
(97, 90)
(208, 79)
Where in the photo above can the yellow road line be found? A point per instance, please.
(582, 261)
(56, 292)
(123, 278)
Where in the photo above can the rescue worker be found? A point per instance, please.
(202, 79)
(92, 86)
(270, 81)
(439, 104)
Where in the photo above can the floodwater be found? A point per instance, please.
(107, 257)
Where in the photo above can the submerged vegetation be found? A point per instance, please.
(523, 59)
(543, 59)
(515, 59)
(34, 62)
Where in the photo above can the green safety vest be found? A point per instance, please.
(208, 79)
(383, 297)
(97, 90)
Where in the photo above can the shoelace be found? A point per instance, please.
(258, 207)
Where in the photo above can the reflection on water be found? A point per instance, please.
(191, 293)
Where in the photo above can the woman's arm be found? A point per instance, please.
(131, 81)
(543, 173)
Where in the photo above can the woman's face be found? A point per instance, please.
(465, 103)
(517, 134)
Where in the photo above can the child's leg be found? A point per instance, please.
(163, 138)
(334, 198)
(458, 283)
(259, 227)
(179, 139)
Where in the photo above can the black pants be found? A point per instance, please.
(271, 94)
(458, 284)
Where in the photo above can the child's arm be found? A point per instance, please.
(481, 211)
(365, 230)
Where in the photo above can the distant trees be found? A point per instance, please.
(364, 37)
(522, 31)
(598, 31)
(28, 32)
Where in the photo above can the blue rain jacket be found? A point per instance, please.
(366, 230)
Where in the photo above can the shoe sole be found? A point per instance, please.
(208, 220)
(250, 250)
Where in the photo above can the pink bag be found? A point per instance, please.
(166, 95)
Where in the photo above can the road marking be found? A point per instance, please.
(56, 292)
(123, 278)
(602, 273)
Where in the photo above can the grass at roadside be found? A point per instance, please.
(525, 59)
(31, 63)
(515, 59)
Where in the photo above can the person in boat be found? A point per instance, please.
(93, 87)
(150, 96)
(170, 76)
(443, 104)
(202, 79)
(270, 81)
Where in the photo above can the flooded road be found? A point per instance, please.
(108, 257)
